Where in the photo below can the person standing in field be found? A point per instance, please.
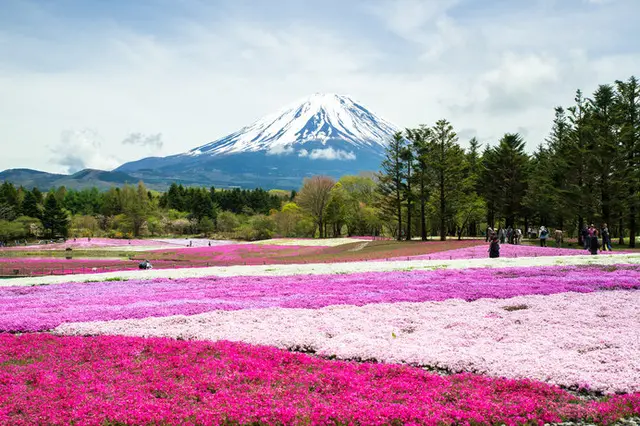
(593, 242)
(558, 235)
(606, 238)
(502, 234)
(544, 234)
(494, 248)
(591, 230)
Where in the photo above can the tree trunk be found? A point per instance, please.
(409, 202)
(632, 223)
(580, 226)
(621, 230)
(443, 231)
(399, 202)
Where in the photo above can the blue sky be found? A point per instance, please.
(97, 83)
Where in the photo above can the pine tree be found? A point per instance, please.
(628, 110)
(30, 206)
(447, 162)
(408, 157)
(54, 219)
(419, 140)
(391, 180)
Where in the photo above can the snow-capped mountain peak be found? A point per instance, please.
(319, 119)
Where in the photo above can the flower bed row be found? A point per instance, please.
(45, 307)
(38, 266)
(588, 341)
(119, 380)
(84, 243)
(329, 268)
(506, 250)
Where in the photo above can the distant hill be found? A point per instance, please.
(83, 179)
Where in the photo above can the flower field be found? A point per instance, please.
(537, 336)
(506, 250)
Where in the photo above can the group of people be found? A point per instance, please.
(589, 235)
(510, 235)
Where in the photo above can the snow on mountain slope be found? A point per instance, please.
(321, 118)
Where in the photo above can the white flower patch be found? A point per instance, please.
(570, 339)
(308, 242)
(330, 268)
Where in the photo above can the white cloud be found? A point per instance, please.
(81, 149)
(331, 154)
(280, 150)
(201, 76)
(139, 139)
(303, 153)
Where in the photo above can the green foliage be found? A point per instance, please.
(314, 199)
(391, 184)
(505, 176)
(227, 222)
(54, 219)
(206, 225)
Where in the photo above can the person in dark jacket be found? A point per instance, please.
(593, 243)
(606, 237)
(585, 237)
(544, 234)
(494, 248)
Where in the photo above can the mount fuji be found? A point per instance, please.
(323, 134)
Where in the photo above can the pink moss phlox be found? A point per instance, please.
(45, 307)
(119, 380)
(506, 250)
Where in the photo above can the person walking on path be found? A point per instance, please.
(489, 235)
(494, 248)
(544, 234)
(606, 238)
(593, 241)
(502, 234)
(558, 236)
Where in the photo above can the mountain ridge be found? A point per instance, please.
(323, 134)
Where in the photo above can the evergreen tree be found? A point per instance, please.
(507, 169)
(447, 161)
(391, 180)
(419, 144)
(30, 206)
(408, 158)
(54, 219)
(628, 110)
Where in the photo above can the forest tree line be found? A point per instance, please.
(586, 171)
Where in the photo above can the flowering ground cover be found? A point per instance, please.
(579, 341)
(311, 242)
(201, 255)
(153, 347)
(235, 253)
(123, 380)
(38, 266)
(506, 250)
(40, 308)
(85, 243)
(194, 242)
(174, 271)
